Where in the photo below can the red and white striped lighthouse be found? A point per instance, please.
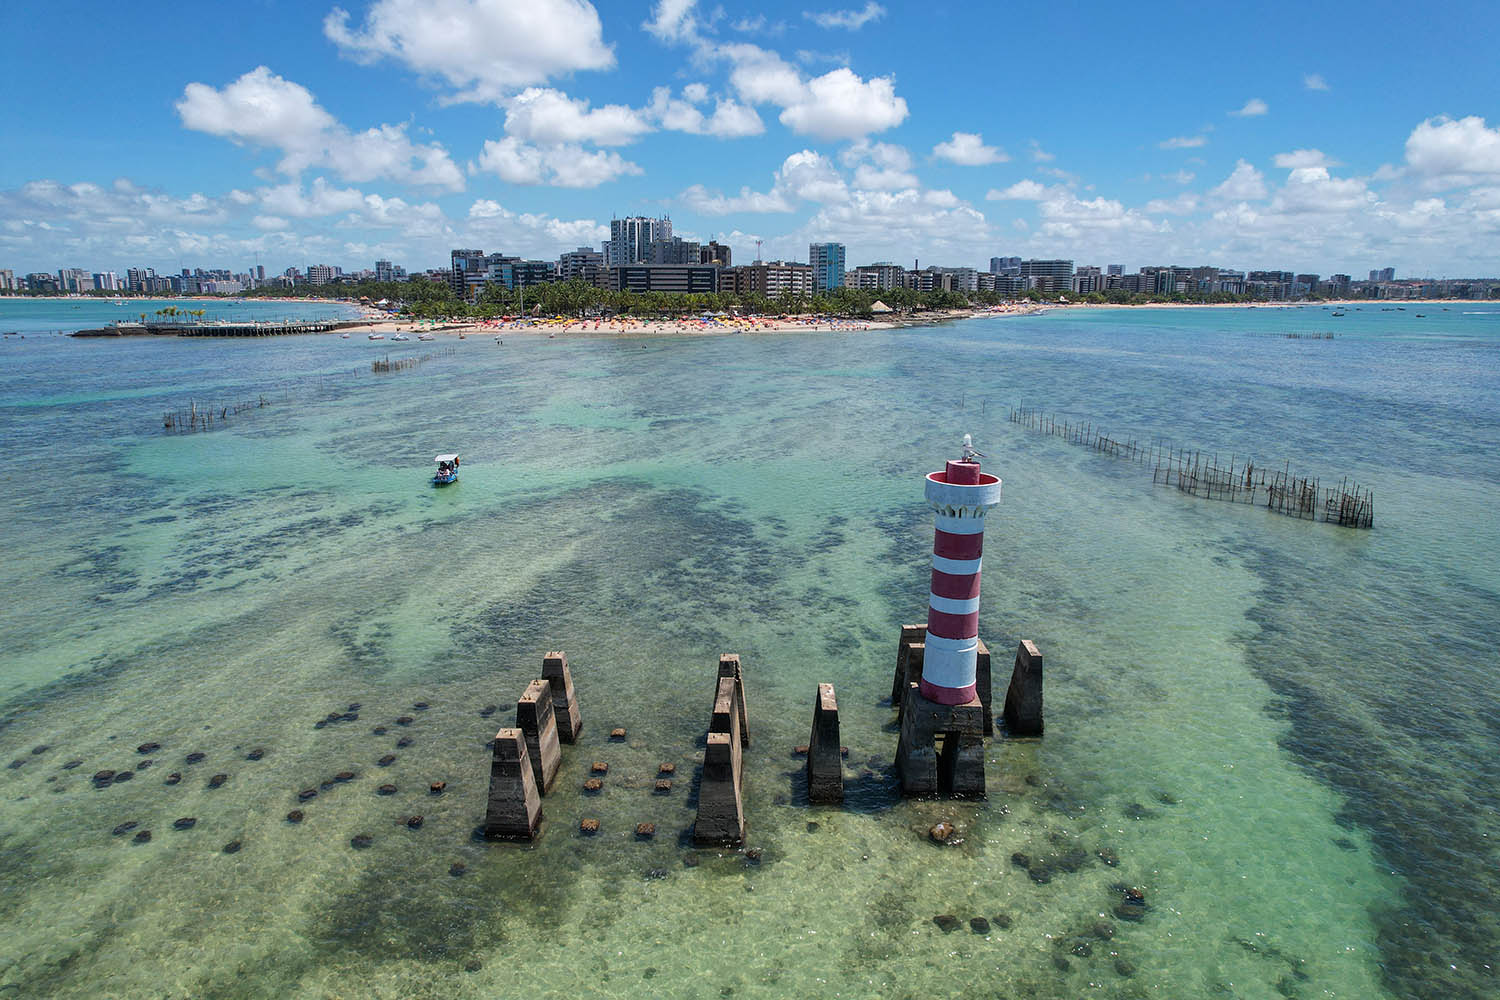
(960, 496)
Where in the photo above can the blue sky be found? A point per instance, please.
(1325, 138)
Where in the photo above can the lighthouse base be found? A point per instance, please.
(941, 748)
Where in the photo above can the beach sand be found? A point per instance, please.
(635, 327)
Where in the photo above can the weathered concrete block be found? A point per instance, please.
(1023, 699)
(926, 729)
(721, 811)
(915, 653)
(729, 666)
(825, 766)
(564, 698)
(514, 809)
(535, 718)
(961, 766)
(983, 685)
(910, 634)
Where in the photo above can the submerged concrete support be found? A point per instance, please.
(514, 810)
(825, 764)
(535, 718)
(983, 685)
(721, 810)
(729, 666)
(941, 748)
(564, 698)
(910, 635)
(1023, 700)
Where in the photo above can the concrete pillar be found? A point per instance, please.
(1023, 700)
(564, 699)
(916, 652)
(909, 634)
(961, 766)
(729, 666)
(514, 810)
(931, 729)
(721, 813)
(535, 718)
(825, 765)
(725, 717)
(721, 810)
(983, 686)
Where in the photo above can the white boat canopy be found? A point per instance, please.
(445, 458)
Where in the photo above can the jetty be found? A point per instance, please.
(269, 328)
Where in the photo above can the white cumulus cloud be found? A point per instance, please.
(569, 166)
(490, 223)
(1183, 142)
(729, 120)
(484, 49)
(1253, 108)
(1303, 158)
(853, 20)
(1315, 81)
(1447, 152)
(803, 176)
(269, 111)
(968, 149)
(1019, 191)
(879, 166)
(841, 105)
(1245, 183)
(550, 117)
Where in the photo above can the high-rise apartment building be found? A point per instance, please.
(673, 250)
(584, 264)
(1048, 275)
(671, 278)
(1005, 265)
(1087, 280)
(1115, 269)
(319, 274)
(384, 271)
(827, 260)
(714, 252)
(630, 239)
(466, 271)
(75, 279)
(879, 276)
(7, 280)
(769, 278)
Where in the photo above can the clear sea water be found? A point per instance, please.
(1284, 731)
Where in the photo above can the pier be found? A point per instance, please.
(272, 328)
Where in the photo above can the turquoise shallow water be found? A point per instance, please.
(1285, 731)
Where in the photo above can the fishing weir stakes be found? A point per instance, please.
(1192, 472)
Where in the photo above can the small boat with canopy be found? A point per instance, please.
(447, 470)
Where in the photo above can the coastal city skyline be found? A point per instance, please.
(323, 134)
(643, 254)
